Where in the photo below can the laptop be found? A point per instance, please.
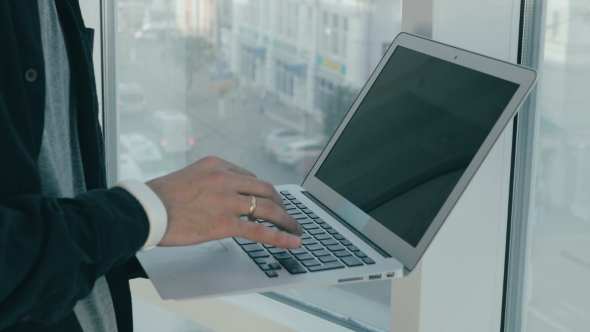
(383, 186)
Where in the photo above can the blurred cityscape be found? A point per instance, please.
(559, 265)
(261, 83)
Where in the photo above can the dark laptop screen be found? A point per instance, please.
(411, 139)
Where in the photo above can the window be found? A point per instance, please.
(204, 77)
(556, 244)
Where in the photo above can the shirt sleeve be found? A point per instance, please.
(154, 208)
(52, 250)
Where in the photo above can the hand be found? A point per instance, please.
(206, 199)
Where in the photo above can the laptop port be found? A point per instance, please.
(390, 274)
(375, 276)
(350, 279)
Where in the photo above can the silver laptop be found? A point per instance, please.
(382, 187)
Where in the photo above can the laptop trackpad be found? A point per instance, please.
(167, 254)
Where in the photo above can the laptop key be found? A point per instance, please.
(310, 262)
(308, 242)
(342, 253)
(290, 197)
(327, 266)
(335, 247)
(252, 247)
(310, 226)
(313, 216)
(293, 211)
(313, 247)
(276, 250)
(346, 243)
(285, 192)
(275, 266)
(298, 251)
(304, 257)
(329, 242)
(271, 273)
(316, 231)
(290, 207)
(304, 221)
(258, 254)
(295, 201)
(306, 210)
(324, 236)
(369, 261)
(292, 266)
(360, 254)
(242, 241)
(352, 248)
(305, 236)
(260, 260)
(351, 261)
(264, 267)
(325, 226)
(283, 255)
(339, 237)
(327, 259)
(320, 253)
(298, 216)
(268, 246)
(332, 231)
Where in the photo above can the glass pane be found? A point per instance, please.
(558, 270)
(242, 80)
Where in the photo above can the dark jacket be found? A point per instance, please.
(52, 250)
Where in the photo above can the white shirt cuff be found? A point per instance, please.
(154, 208)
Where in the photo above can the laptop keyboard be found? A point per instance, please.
(323, 248)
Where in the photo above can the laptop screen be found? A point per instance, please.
(412, 137)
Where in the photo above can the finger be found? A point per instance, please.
(251, 186)
(262, 234)
(269, 211)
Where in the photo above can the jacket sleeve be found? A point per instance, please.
(53, 249)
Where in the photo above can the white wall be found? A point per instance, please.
(460, 284)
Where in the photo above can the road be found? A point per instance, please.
(232, 133)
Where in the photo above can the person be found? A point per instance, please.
(67, 243)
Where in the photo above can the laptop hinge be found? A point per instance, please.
(347, 225)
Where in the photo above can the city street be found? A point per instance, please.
(231, 131)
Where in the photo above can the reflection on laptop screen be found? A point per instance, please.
(411, 139)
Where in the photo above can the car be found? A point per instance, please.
(295, 151)
(304, 165)
(156, 31)
(131, 98)
(274, 139)
(145, 153)
(129, 169)
(173, 131)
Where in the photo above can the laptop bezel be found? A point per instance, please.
(408, 255)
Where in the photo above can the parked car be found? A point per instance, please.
(131, 98)
(145, 153)
(305, 164)
(274, 139)
(173, 131)
(129, 169)
(298, 150)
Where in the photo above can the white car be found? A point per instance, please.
(274, 139)
(131, 98)
(173, 131)
(145, 153)
(298, 150)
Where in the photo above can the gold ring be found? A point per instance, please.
(252, 207)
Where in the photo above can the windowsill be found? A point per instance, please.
(233, 313)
